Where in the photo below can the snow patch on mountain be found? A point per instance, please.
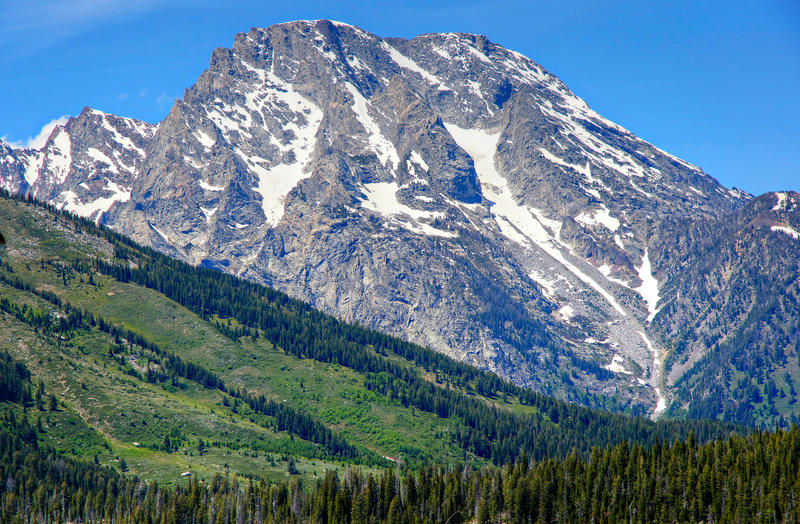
(584, 170)
(208, 187)
(655, 377)
(477, 54)
(605, 270)
(275, 182)
(617, 365)
(417, 158)
(785, 201)
(99, 156)
(382, 146)
(208, 213)
(649, 288)
(94, 208)
(600, 216)
(381, 198)
(59, 156)
(786, 230)
(204, 139)
(601, 152)
(33, 166)
(780, 205)
(567, 312)
(547, 286)
(406, 63)
(141, 128)
(524, 69)
(160, 233)
(519, 223)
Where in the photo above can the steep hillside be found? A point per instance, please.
(156, 355)
(736, 479)
(731, 312)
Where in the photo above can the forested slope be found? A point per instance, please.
(740, 479)
(181, 367)
(734, 284)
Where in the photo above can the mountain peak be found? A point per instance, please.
(441, 188)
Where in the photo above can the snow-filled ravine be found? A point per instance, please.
(530, 227)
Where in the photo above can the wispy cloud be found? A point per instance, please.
(37, 24)
(163, 100)
(37, 141)
(65, 17)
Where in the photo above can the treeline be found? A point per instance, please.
(286, 418)
(737, 379)
(501, 435)
(290, 420)
(741, 479)
(510, 321)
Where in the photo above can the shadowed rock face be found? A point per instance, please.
(443, 189)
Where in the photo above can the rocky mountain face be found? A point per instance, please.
(443, 189)
(730, 311)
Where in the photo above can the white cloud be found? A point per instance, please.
(37, 142)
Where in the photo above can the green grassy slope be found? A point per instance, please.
(101, 340)
(750, 479)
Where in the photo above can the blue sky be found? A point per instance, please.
(715, 83)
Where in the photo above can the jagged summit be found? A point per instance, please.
(442, 188)
(84, 166)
